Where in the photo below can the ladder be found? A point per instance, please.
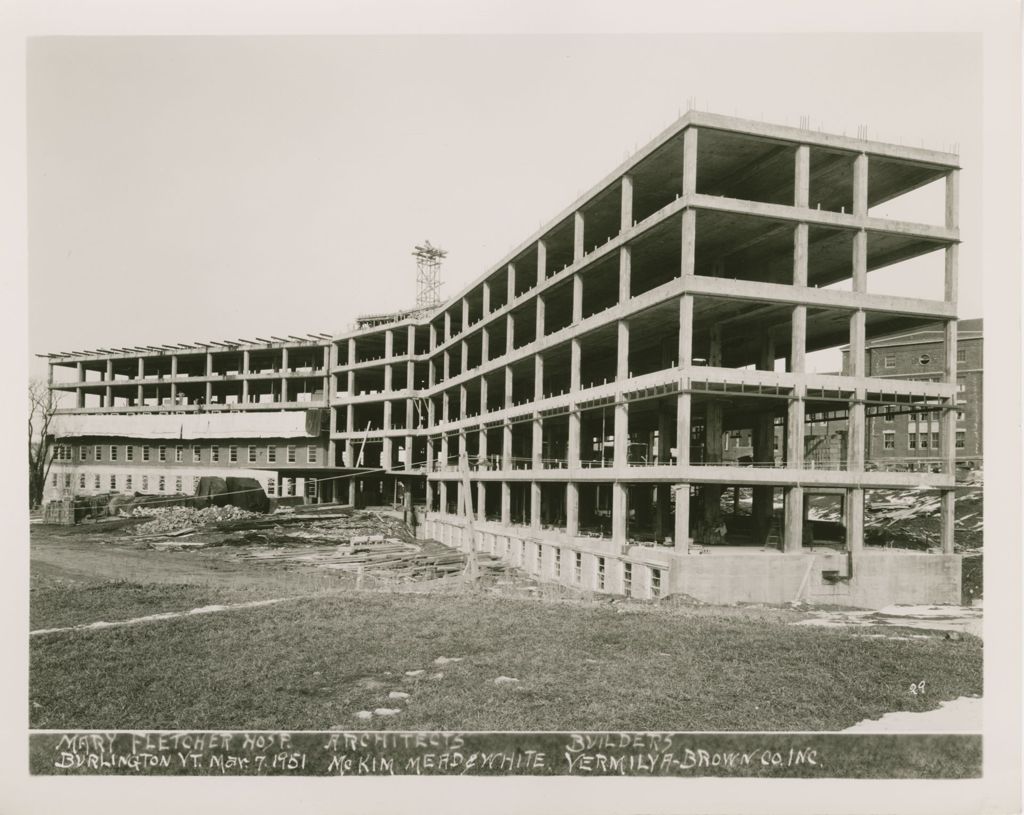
(774, 534)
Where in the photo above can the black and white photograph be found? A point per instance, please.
(539, 414)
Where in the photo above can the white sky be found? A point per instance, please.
(188, 189)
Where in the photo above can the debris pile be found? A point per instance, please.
(170, 520)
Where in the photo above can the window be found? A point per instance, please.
(889, 440)
(214, 452)
(67, 480)
(558, 563)
(177, 484)
(271, 486)
(55, 479)
(252, 453)
(922, 441)
(98, 453)
(145, 453)
(233, 453)
(113, 452)
(145, 483)
(96, 481)
(959, 415)
(179, 453)
(627, 579)
(81, 481)
(311, 487)
(129, 452)
(889, 415)
(128, 481)
(291, 453)
(113, 482)
(935, 441)
(83, 453)
(600, 573)
(889, 361)
(311, 454)
(162, 453)
(912, 441)
(961, 439)
(961, 355)
(655, 582)
(540, 558)
(577, 569)
(924, 359)
(162, 484)
(197, 453)
(271, 453)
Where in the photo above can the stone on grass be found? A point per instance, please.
(397, 694)
(417, 672)
(364, 715)
(446, 660)
(438, 675)
(505, 680)
(387, 711)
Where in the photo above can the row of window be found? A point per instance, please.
(64, 453)
(161, 482)
(921, 441)
(889, 360)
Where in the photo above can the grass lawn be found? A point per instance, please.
(313, 663)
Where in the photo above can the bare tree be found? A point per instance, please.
(41, 407)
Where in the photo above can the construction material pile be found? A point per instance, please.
(170, 520)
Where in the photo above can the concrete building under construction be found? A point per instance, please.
(570, 409)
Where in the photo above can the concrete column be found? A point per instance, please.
(410, 375)
(510, 330)
(483, 395)
(540, 317)
(463, 401)
(387, 415)
(535, 504)
(410, 340)
(622, 358)
(209, 363)
(621, 449)
(350, 418)
(352, 491)
(462, 441)
(625, 273)
(506, 503)
(538, 377)
(141, 377)
(485, 345)
(855, 520)
(860, 261)
(538, 442)
(407, 457)
(572, 509)
(511, 282)
(542, 261)
(352, 351)
(481, 501)
(860, 186)
(626, 208)
(508, 386)
(506, 446)
(578, 249)
(802, 178)
(350, 386)
(465, 357)
(715, 346)
(284, 380)
(793, 534)
(798, 340)
(690, 161)
(712, 455)
(389, 344)
(689, 243)
(446, 365)
(574, 438)
(577, 298)
(575, 357)
(445, 453)
(347, 458)
(681, 532)
(465, 314)
(620, 512)
(444, 407)
(447, 326)
(856, 433)
(385, 453)
(683, 411)
(209, 392)
(430, 494)
(947, 514)
(108, 399)
(442, 494)
(174, 386)
(795, 431)
(948, 435)
(685, 331)
(856, 354)
(485, 291)
(330, 359)
(433, 337)
(284, 390)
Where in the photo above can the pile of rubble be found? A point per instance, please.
(168, 520)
